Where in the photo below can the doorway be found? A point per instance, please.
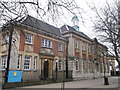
(46, 69)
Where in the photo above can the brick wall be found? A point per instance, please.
(37, 44)
(22, 42)
(55, 47)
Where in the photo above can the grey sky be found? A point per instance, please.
(84, 11)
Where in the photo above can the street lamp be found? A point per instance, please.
(93, 69)
(105, 78)
(56, 68)
(63, 83)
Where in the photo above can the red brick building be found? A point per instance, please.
(35, 51)
(39, 50)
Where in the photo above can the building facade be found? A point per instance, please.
(35, 49)
(85, 55)
(39, 51)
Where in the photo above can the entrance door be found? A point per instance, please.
(46, 69)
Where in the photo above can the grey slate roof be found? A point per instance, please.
(69, 29)
(96, 41)
(40, 25)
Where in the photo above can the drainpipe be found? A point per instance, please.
(67, 41)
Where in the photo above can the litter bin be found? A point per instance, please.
(106, 81)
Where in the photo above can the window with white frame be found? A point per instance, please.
(108, 68)
(97, 67)
(27, 62)
(46, 43)
(5, 39)
(4, 62)
(77, 65)
(76, 44)
(60, 47)
(84, 66)
(19, 61)
(90, 67)
(83, 46)
(93, 50)
(59, 65)
(101, 67)
(34, 63)
(89, 48)
(29, 38)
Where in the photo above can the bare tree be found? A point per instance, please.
(53, 9)
(107, 24)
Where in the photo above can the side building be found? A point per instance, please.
(79, 52)
(101, 59)
(84, 54)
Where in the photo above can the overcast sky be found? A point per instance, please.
(85, 12)
(88, 14)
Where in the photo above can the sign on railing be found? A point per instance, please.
(14, 76)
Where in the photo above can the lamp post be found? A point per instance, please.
(104, 65)
(93, 69)
(56, 69)
(105, 78)
(63, 83)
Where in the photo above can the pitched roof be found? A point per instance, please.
(69, 29)
(96, 41)
(40, 25)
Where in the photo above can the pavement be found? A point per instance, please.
(91, 83)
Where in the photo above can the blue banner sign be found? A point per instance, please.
(14, 76)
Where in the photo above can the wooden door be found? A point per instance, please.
(46, 69)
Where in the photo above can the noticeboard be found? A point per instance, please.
(14, 76)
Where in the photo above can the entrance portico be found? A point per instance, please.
(46, 66)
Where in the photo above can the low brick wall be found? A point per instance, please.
(31, 83)
(20, 84)
(89, 75)
(61, 75)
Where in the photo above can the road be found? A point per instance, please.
(91, 83)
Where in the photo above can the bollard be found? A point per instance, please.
(106, 81)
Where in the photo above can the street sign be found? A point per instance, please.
(14, 76)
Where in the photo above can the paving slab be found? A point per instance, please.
(92, 83)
